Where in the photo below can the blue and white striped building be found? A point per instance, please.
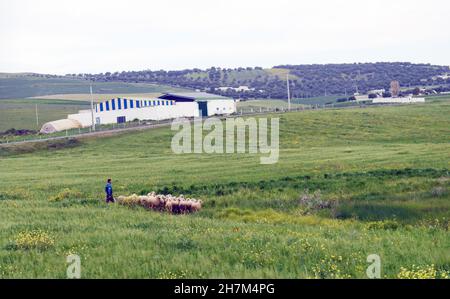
(121, 110)
(124, 104)
(168, 106)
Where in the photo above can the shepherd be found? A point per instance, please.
(109, 192)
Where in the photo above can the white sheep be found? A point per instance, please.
(196, 206)
(170, 203)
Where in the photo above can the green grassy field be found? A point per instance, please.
(317, 100)
(384, 171)
(21, 113)
(265, 104)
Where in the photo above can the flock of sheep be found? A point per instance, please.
(159, 202)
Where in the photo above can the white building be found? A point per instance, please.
(168, 106)
(241, 88)
(402, 100)
(377, 91)
(208, 104)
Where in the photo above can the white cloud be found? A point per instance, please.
(97, 36)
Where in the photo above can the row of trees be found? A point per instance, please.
(306, 80)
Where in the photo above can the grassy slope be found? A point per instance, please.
(29, 86)
(21, 113)
(252, 224)
(264, 103)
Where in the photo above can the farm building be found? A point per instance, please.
(208, 104)
(401, 100)
(167, 106)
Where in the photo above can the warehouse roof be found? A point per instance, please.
(193, 96)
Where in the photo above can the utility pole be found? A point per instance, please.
(92, 109)
(288, 91)
(37, 118)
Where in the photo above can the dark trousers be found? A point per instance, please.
(109, 198)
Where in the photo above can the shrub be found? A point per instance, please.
(443, 179)
(34, 239)
(331, 266)
(185, 244)
(61, 144)
(436, 223)
(424, 272)
(17, 132)
(314, 202)
(386, 224)
(15, 194)
(438, 191)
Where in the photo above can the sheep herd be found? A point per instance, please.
(159, 202)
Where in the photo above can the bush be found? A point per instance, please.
(36, 239)
(436, 223)
(424, 272)
(443, 179)
(314, 202)
(438, 191)
(331, 266)
(14, 194)
(386, 224)
(17, 132)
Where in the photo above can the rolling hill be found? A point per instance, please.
(306, 80)
(24, 85)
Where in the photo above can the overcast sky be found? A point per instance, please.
(97, 36)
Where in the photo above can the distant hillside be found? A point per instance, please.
(306, 80)
(25, 85)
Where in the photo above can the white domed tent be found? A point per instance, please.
(60, 125)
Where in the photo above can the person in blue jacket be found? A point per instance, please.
(109, 192)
